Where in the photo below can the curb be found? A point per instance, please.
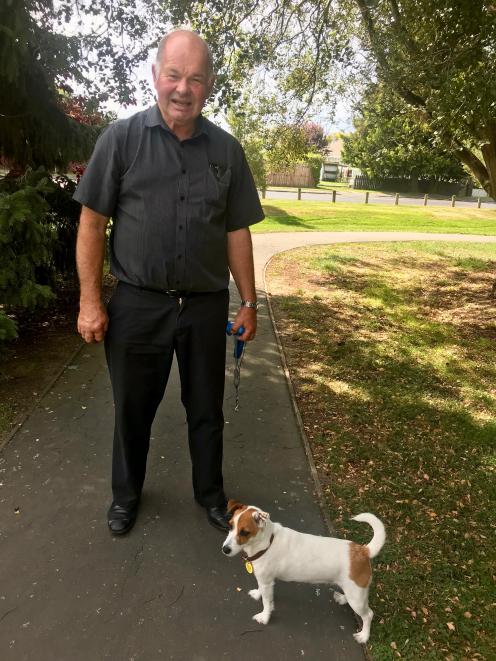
(299, 422)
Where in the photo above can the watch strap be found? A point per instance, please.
(249, 304)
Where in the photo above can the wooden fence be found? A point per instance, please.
(300, 175)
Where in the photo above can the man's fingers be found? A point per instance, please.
(92, 336)
(92, 328)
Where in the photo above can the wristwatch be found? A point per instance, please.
(249, 304)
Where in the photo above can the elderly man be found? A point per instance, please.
(181, 197)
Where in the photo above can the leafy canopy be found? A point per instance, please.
(392, 140)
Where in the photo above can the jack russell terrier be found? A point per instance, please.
(272, 551)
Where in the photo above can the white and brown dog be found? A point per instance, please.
(272, 551)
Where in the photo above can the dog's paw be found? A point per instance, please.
(340, 598)
(262, 618)
(255, 594)
(361, 637)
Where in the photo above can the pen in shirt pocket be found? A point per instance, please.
(217, 170)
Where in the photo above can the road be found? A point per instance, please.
(374, 198)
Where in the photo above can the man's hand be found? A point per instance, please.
(246, 317)
(92, 322)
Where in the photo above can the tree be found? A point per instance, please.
(42, 66)
(439, 56)
(270, 144)
(314, 134)
(247, 125)
(391, 140)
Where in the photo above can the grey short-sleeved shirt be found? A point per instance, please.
(172, 202)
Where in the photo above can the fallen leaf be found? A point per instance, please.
(450, 626)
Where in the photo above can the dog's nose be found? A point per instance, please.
(226, 550)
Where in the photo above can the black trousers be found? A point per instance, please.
(145, 329)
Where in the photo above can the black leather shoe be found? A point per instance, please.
(217, 517)
(121, 518)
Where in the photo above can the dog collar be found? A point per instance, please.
(260, 553)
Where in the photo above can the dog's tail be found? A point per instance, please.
(377, 541)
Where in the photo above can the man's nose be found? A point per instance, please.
(182, 86)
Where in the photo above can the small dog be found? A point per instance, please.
(272, 551)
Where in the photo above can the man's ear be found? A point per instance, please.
(260, 518)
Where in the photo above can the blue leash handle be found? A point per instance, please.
(238, 344)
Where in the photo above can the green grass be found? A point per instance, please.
(392, 349)
(303, 216)
(330, 185)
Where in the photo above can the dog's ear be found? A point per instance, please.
(232, 506)
(260, 518)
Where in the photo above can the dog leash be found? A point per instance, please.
(248, 560)
(238, 353)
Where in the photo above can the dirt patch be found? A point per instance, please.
(47, 339)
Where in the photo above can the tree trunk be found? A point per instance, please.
(489, 156)
(479, 169)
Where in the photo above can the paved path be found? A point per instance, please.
(70, 592)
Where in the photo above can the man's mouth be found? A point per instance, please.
(181, 104)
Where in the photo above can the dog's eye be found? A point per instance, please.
(243, 533)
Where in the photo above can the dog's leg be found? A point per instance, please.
(358, 600)
(340, 598)
(255, 594)
(267, 592)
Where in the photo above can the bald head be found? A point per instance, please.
(189, 39)
(183, 79)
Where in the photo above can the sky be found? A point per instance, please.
(341, 121)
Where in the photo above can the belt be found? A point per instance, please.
(173, 293)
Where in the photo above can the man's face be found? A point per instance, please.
(182, 81)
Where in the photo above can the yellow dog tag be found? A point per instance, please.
(249, 567)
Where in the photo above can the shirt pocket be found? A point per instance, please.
(217, 183)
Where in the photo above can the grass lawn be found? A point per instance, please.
(392, 351)
(305, 216)
(330, 185)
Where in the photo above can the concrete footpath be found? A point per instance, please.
(69, 591)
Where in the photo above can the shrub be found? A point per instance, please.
(38, 221)
(314, 160)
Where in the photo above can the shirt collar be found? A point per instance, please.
(154, 118)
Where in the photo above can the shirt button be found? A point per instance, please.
(180, 227)
(179, 256)
(182, 198)
(184, 171)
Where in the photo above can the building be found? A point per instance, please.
(333, 169)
